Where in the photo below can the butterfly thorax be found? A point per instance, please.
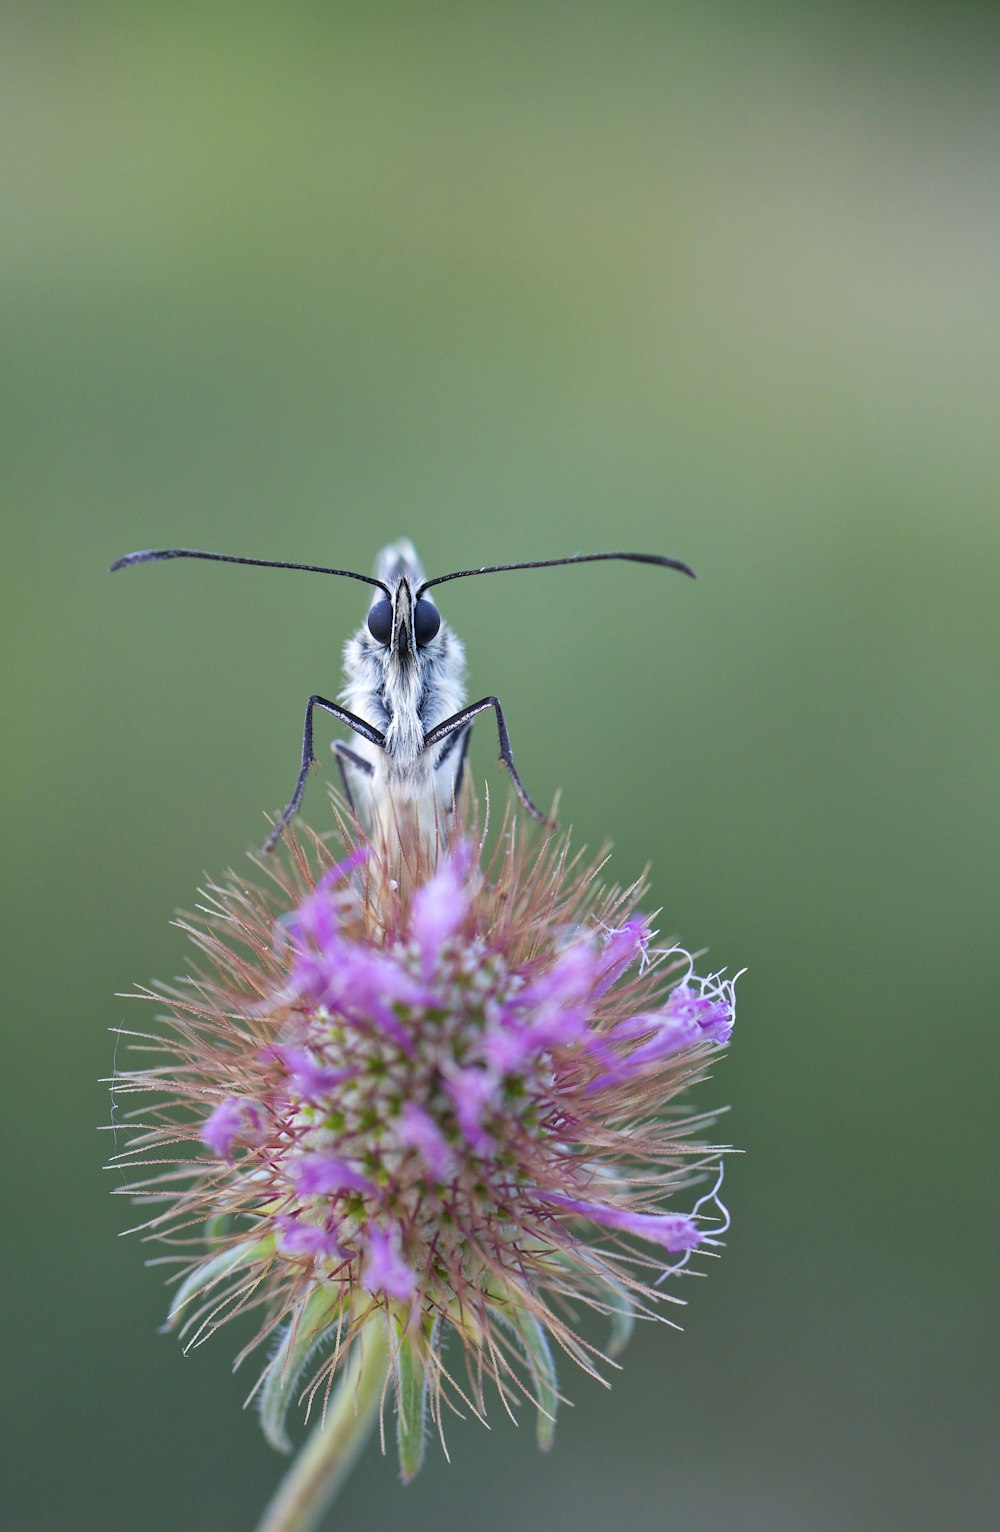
(403, 688)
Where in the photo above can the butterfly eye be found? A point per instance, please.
(426, 621)
(380, 621)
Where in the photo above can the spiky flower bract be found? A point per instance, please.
(429, 1109)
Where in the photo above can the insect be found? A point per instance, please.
(404, 697)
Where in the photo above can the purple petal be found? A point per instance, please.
(509, 1043)
(687, 1018)
(674, 1231)
(551, 1011)
(254, 1114)
(439, 909)
(418, 1130)
(315, 919)
(365, 976)
(226, 1122)
(557, 1028)
(570, 979)
(311, 1079)
(621, 948)
(711, 1010)
(385, 1270)
(318, 1175)
(472, 1091)
(506, 1047)
(301, 1238)
(366, 986)
(361, 985)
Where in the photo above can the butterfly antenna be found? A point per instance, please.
(576, 558)
(151, 555)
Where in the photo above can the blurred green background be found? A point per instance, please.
(718, 280)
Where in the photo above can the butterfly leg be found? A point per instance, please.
(366, 730)
(464, 717)
(460, 740)
(344, 753)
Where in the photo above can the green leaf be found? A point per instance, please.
(218, 1227)
(213, 1270)
(622, 1317)
(344, 1425)
(538, 1355)
(411, 1424)
(307, 1329)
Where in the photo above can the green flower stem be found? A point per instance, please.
(331, 1451)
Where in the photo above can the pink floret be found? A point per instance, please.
(223, 1127)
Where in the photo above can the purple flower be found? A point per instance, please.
(417, 1129)
(385, 1270)
(363, 986)
(315, 920)
(690, 1016)
(622, 948)
(674, 1231)
(445, 1103)
(439, 909)
(321, 1175)
(301, 1238)
(310, 1078)
(473, 1092)
(227, 1123)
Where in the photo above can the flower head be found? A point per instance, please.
(433, 1099)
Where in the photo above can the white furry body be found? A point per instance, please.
(403, 695)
